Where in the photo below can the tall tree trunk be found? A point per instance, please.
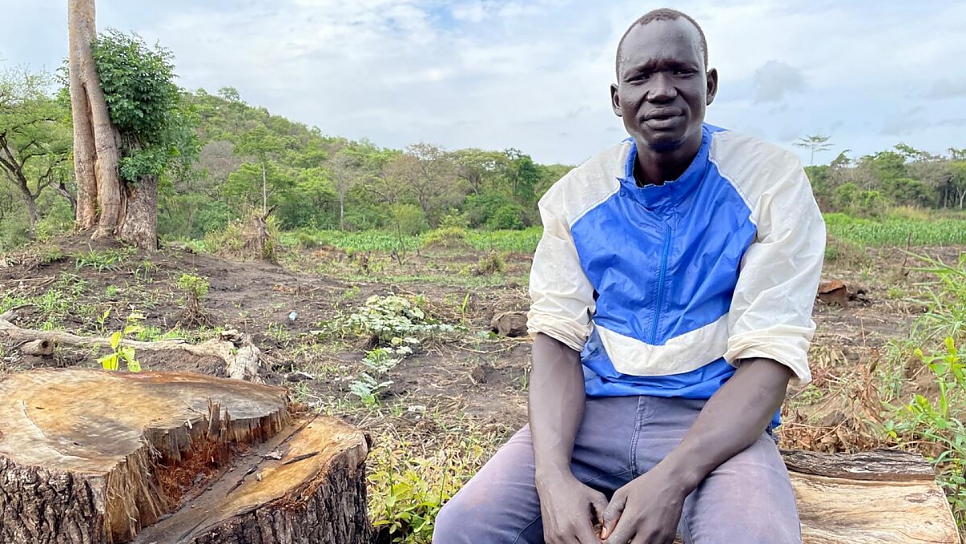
(264, 192)
(341, 210)
(95, 139)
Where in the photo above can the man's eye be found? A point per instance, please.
(684, 72)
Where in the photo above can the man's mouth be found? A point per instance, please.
(662, 114)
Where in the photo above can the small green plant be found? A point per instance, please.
(109, 259)
(388, 317)
(409, 490)
(111, 291)
(51, 254)
(378, 362)
(490, 263)
(112, 361)
(145, 270)
(195, 289)
(938, 426)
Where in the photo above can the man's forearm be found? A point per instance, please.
(732, 419)
(556, 404)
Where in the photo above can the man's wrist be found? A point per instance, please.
(683, 473)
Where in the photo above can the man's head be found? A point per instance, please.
(663, 82)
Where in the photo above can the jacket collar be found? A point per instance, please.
(673, 192)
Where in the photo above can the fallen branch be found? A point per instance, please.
(242, 358)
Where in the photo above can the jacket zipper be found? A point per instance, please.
(660, 286)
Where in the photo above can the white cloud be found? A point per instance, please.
(776, 79)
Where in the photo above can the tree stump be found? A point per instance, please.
(871, 497)
(91, 457)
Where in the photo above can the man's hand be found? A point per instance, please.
(644, 511)
(570, 510)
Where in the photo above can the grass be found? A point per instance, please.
(516, 241)
(897, 231)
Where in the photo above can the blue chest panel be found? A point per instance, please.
(664, 260)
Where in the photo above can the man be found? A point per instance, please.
(672, 294)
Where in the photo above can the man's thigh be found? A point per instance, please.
(748, 499)
(500, 504)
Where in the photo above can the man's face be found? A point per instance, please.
(662, 89)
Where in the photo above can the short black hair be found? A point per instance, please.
(661, 14)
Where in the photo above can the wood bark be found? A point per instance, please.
(139, 223)
(91, 457)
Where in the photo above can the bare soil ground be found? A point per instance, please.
(459, 385)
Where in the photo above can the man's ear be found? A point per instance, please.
(712, 84)
(615, 101)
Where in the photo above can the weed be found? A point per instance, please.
(409, 490)
(490, 263)
(936, 427)
(111, 291)
(109, 259)
(195, 289)
(120, 353)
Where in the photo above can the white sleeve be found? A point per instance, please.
(562, 297)
(771, 311)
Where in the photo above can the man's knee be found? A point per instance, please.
(450, 524)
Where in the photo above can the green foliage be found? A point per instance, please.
(195, 289)
(935, 426)
(490, 263)
(108, 259)
(408, 490)
(388, 318)
(120, 352)
(378, 362)
(144, 105)
(34, 152)
(448, 237)
(506, 217)
(896, 232)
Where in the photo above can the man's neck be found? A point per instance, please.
(657, 167)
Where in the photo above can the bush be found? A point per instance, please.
(449, 237)
(491, 263)
(507, 217)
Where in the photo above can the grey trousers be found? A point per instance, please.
(746, 500)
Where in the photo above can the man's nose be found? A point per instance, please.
(662, 88)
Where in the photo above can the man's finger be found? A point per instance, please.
(612, 514)
(622, 534)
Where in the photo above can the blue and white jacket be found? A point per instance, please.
(664, 289)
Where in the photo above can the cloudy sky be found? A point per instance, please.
(535, 75)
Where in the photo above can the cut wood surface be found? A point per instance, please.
(96, 457)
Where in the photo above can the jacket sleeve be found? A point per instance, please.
(562, 297)
(771, 311)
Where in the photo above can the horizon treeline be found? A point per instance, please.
(245, 158)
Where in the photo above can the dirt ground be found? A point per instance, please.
(466, 382)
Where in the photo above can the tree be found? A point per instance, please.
(129, 129)
(264, 145)
(96, 152)
(345, 171)
(816, 142)
(34, 140)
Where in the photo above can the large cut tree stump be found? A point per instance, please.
(876, 497)
(871, 497)
(90, 457)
